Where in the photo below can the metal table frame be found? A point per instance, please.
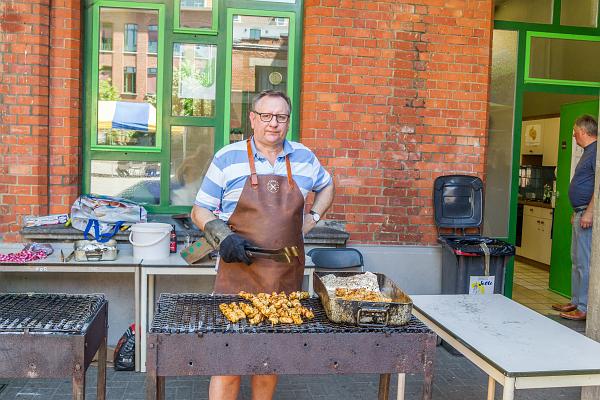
(517, 332)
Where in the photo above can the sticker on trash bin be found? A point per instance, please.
(481, 284)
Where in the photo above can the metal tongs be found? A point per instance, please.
(67, 258)
(285, 254)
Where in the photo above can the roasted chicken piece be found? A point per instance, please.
(361, 294)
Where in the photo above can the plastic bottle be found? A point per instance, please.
(173, 241)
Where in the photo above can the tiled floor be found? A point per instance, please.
(530, 288)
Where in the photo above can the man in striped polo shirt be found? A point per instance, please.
(253, 196)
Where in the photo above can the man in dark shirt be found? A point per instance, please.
(581, 195)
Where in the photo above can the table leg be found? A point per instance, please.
(384, 386)
(491, 388)
(138, 331)
(143, 318)
(79, 384)
(101, 381)
(311, 290)
(508, 393)
(151, 299)
(401, 386)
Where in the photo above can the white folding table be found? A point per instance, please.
(515, 346)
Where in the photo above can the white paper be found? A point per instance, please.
(481, 285)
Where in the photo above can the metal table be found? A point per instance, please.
(515, 346)
(175, 265)
(125, 263)
(189, 337)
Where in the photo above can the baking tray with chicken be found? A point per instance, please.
(364, 299)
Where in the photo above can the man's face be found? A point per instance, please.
(270, 133)
(579, 135)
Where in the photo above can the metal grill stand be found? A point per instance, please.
(54, 336)
(189, 336)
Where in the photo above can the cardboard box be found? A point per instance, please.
(196, 251)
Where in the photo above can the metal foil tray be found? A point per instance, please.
(91, 250)
(365, 313)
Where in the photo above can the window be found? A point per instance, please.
(254, 34)
(131, 38)
(129, 80)
(152, 39)
(106, 37)
(151, 140)
(151, 81)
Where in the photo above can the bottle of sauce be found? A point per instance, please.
(173, 241)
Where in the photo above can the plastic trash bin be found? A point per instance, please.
(458, 206)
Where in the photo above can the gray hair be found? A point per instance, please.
(588, 124)
(271, 93)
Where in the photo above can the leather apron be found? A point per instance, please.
(269, 213)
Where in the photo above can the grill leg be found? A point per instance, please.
(155, 387)
(101, 384)
(384, 386)
(428, 381)
(79, 385)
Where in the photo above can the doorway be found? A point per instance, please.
(543, 231)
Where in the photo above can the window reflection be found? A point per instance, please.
(128, 70)
(195, 14)
(135, 180)
(194, 80)
(260, 62)
(191, 153)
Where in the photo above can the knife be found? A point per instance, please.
(70, 256)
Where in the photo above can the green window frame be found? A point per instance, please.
(549, 35)
(168, 36)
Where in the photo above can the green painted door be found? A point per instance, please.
(560, 262)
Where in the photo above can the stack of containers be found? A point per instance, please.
(458, 208)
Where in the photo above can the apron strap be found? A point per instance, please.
(289, 170)
(253, 177)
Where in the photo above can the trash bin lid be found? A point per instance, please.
(458, 201)
(472, 245)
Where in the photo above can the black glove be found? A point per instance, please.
(233, 249)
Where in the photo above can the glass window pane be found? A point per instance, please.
(106, 37)
(135, 180)
(579, 13)
(499, 157)
(194, 73)
(126, 96)
(260, 62)
(152, 39)
(195, 14)
(564, 59)
(539, 11)
(191, 153)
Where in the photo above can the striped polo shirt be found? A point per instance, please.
(222, 186)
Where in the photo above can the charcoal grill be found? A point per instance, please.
(190, 336)
(53, 336)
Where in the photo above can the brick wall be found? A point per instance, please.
(39, 109)
(394, 95)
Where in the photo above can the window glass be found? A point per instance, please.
(564, 59)
(126, 96)
(194, 80)
(499, 157)
(191, 153)
(106, 37)
(579, 13)
(260, 62)
(135, 180)
(539, 11)
(131, 37)
(195, 14)
(152, 39)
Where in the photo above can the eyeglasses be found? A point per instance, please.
(267, 117)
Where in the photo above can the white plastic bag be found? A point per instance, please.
(104, 215)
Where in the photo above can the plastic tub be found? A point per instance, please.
(150, 240)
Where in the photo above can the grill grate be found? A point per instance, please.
(48, 313)
(199, 313)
